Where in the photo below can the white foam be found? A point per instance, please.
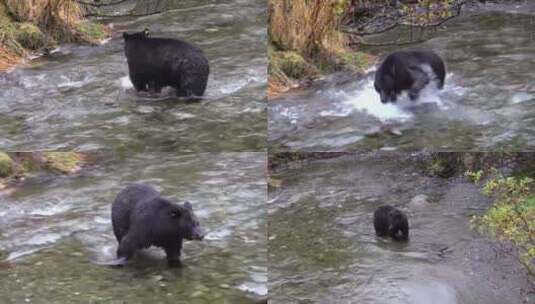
(17, 254)
(291, 114)
(233, 86)
(50, 209)
(368, 101)
(218, 234)
(104, 41)
(255, 288)
(41, 239)
(69, 83)
(521, 97)
(125, 82)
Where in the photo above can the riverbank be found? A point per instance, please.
(306, 42)
(333, 251)
(16, 167)
(29, 29)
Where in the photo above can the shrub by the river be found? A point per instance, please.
(512, 215)
(32, 25)
(6, 165)
(305, 39)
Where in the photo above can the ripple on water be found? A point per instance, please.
(429, 291)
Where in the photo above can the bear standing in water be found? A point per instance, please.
(410, 71)
(154, 63)
(142, 218)
(389, 221)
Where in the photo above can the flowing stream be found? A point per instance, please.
(486, 104)
(323, 249)
(80, 97)
(54, 230)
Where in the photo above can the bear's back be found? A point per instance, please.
(125, 202)
(138, 49)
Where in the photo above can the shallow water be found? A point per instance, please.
(487, 102)
(80, 97)
(55, 229)
(323, 249)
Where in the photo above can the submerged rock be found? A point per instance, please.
(419, 201)
(64, 162)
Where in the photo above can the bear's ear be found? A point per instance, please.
(187, 205)
(146, 32)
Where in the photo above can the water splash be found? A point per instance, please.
(125, 82)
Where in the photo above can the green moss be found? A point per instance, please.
(512, 215)
(357, 60)
(30, 36)
(92, 32)
(7, 166)
(290, 63)
(64, 162)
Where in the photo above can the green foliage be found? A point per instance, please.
(358, 60)
(7, 166)
(63, 162)
(426, 12)
(474, 177)
(30, 36)
(340, 7)
(508, 188)
(92, 31)
(512, 216)
(291, 63)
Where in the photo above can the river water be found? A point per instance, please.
(486, 104)
(54, 230)
(81, 98)
(323, 249)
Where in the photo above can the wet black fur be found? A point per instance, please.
(155, 63)
(403, 71)
(390, 221)
(142, 218)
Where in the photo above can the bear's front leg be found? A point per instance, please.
(127, 247)
(155, 87)
(420, 80)
(173, 254)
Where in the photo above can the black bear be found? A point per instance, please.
(154, 63)
(142, 218)
(409, 70)
(389, 221)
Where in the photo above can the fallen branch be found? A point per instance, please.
(100, 4)
(123, 15)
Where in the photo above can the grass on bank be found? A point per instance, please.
(16, 166)
(304, 41)
(27, 26)
(511, 218)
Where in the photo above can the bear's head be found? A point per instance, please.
(190, 227)
(139, 35)
(175, 221)
(386, 87)
(398, 225)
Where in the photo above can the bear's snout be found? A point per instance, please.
(197, 234)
